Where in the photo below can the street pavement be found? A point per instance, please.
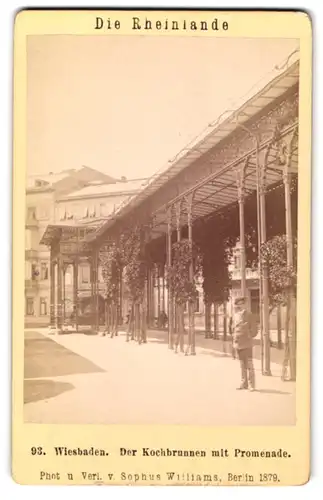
(88, 379)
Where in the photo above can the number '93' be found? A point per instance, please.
(37, 450)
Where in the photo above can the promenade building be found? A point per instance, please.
(83, 197)
(249, 154)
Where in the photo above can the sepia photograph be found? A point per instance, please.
(161, 230)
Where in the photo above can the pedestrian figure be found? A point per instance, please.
(130, 323)
(163, 319)
(179, 341)
(243, 333)
(73, 315)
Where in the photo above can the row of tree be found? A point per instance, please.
(124, 262)
(127, 261)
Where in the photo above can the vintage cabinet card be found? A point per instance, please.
(161, 269)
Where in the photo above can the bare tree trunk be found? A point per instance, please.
(224, 327)
(140, 322)
(292, 337)
(137, 323)
(176, 312)
(216, 321)
(120, 298)
(279, 327)
(164, 302)
(116, 317)
(130, 329)
(190, 348)
(207, 320)
(180, 328)
(286, 362)
(294, 333)
(225, 324)
(108, 318)
(133, 321)
(158, 296)
(112, 320)
(105, 317)
(144, 324)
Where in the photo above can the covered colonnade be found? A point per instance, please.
(248, 155)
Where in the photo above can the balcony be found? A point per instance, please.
(250, 274)
(31, 254)
(31, 284)
(31, 222)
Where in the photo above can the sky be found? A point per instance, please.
(127, 105)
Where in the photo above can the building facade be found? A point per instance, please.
(83, 196)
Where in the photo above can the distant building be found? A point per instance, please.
(72, 196)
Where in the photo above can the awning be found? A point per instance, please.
(221, 129)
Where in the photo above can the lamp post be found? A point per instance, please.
(170, 291)
(265, 346)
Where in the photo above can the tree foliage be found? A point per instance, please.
(135, 260)
(275, 220)
(111, 262)
(215, 238)
(281, 277)
(178, 275)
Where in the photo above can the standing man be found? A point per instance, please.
(243, 333)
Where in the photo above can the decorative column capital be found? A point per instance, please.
(262, 188)
(241, 177)
(289, 150)
(65, 266)
(282, 154)
(178, 210)
(262, 179)
(189, 218)
(189, 202)
(286, 177)
(169, 216)
(241, 194)
(147, 235)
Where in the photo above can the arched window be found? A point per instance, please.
(44, 271)
(43, 306)
(85, 273)
(29, 306)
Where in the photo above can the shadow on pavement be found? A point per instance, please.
(215, 354)
(273, 391)
(215, 347)
(37, 390)
(46, 358)
(154, 340)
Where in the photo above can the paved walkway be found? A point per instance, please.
(77, 378)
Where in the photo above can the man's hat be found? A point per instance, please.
(240, 300)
